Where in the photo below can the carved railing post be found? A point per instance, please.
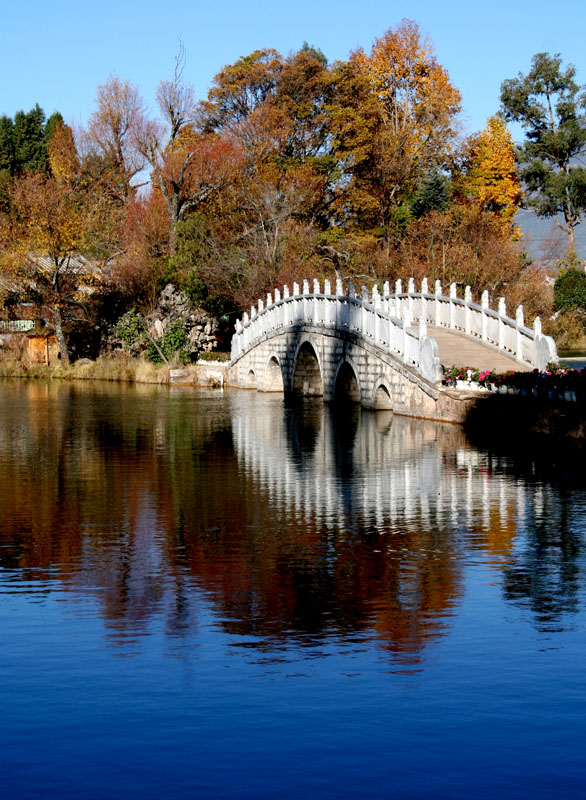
(438, 303)
(502, 312)
(410, 293)
(424, 292)
(520, 321)
(484, 316)
(453, 296)
(468, 310)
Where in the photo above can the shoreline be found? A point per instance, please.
(117, 370)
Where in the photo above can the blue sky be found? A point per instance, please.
(57, 53)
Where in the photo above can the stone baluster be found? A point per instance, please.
(261, 323)
(502, 312)
(468, 310)
(288, 307)
(330, 307)
(520, 323)
(306, 304)
(407, 322)
(376, 302)
(438, 303)
(351, 290)
(410, 297)
(484, 320)
(339, 302)
(536, 327)
(296, 309)
(316, 286)
(364, 312)
(398, 301)
(453, 296)
(424, 292)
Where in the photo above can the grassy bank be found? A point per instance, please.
(128, 370)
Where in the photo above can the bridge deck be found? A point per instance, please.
(461, 351)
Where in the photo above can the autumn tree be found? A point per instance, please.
(550, 106)
(53, 219)
(417, 108)
(488, 173)
(114, 132)
(188, 167)
(239, 89)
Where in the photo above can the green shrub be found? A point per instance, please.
(569, 290)
(130, 328)
(172, 343)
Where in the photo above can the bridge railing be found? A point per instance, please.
(397, 321)
(365, 315)
(509, 335)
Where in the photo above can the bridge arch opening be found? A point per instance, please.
(307, 378)
(251, 380)
(346, 389)
(382, 398)
(273, 376)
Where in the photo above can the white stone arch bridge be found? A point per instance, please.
(380, 350)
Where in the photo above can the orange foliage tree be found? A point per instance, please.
(416, 108)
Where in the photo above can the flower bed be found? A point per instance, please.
(555, 382)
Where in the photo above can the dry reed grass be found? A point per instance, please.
(127, 370)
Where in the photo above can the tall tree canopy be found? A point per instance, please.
(550, 106)
(488, 172)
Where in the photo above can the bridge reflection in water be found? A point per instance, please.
(293, 525)
(351, 466)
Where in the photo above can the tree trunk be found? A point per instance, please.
(60, 336)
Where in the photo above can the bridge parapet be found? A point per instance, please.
(396, 322)
(495, 328)
(366, 315)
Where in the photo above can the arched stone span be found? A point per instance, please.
(273, 377)
(346, 386)
(382, 398)
(314, 356)
(307, 373)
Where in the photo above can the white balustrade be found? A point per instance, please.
(389, 319)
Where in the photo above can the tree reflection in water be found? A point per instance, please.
(296, 522)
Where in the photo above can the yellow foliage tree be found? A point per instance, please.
(418, 105)
(489, 173)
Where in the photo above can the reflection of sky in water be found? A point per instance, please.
(199, 593)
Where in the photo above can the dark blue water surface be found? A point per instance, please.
(215, 595)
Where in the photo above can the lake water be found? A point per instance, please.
(217, 595)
